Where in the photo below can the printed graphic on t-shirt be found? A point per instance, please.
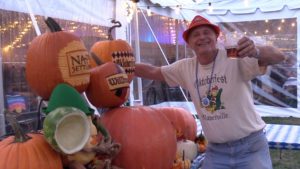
(215, 99)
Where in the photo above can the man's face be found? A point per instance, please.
(202, 39)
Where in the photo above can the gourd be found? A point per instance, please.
(24, 151)
(187, 149)
(67, 129)
(117, 51)
(109, 86)
(56, 57)
(182, 121)
(146, 136)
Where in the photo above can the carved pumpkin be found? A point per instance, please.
(182, 120)
(57, 57)
(117, 51)
(24, 151)
(108, 86)
(146, 136)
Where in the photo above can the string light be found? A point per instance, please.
(210, 8)
(148, 11)
(198, 1)
(282, 20)
(293, 24)
(18, 38)
(129, 10)
(177, 9)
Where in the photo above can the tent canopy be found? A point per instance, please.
(230, 10)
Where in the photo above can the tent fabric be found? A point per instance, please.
(86, 11)
(231, 10)
(235, 7)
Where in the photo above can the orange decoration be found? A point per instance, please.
(57, 57)
(182, 120)
(27, 151)
(146, 136)
(109, 86)
(117, 51)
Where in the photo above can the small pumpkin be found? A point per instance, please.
(109, 86)
(182, 120)
(24, 151)
(202, 142)
(187, 149)
(57, 57)
(146, 136)
(117, 51)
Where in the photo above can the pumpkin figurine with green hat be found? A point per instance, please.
(68, 125)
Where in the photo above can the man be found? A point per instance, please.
(220, 89)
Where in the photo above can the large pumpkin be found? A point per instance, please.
(182, 120)
(117, 51)
(109, 86)
(146, 136)
(30, 151)
(56, 57)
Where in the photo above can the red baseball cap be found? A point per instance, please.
(199, 21)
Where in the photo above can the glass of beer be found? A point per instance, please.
(231, 45)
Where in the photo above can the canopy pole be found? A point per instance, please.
(165, 57)
(139, 101)
(2, 116)
(36, 27)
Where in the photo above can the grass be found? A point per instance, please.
(284, 159)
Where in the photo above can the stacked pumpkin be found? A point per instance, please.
(52, 58)
(147, 137)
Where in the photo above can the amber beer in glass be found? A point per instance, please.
(232, 52)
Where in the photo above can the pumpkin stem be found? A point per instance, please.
(113, 27)
(52, 25)
(20, 136)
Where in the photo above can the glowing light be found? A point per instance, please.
(177, 9)
(267, 31)
(255, 32)
(293, 24)
(210, 8)
(266, 20)
(149, 11)
(279, 28)
(282, 20)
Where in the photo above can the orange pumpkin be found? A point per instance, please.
(57, 57)
(117, 51)
(146, 136)
(109, 86)
(182, 120)
(28, 151)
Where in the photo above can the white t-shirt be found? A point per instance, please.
(231, 114)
